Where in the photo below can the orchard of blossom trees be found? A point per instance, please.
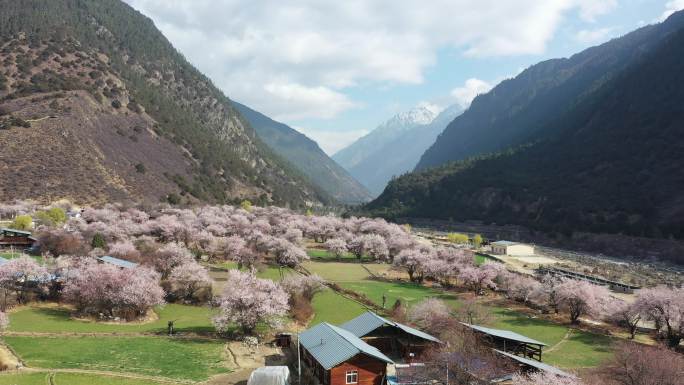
(172, 244)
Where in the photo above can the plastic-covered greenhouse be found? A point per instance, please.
(270, 375)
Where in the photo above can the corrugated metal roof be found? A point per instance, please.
(15, 231)
(536, 364)
(118, 262)
(364, 324)
(505, 243)
(369, 321)
(331, 346)
(507, 334)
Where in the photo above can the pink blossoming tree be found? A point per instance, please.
(247, 301)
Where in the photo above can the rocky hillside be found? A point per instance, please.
(394, 147)
(305, 154)
(97, 105)
(610, 163)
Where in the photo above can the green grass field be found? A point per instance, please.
(68, 379)
(344, 272)
(58, 320)
(24, 379)
(89, 379)
(153, 356)
(579, 351)
(409, 294)
(333, 308)
(319, 254)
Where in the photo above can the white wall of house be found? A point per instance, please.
(520, 250)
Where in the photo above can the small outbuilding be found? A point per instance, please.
(527, 365)
(337, 357)
(270, 375)
(511, 248)
(120, 263)
(510, 342)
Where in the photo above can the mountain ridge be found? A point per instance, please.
(395, 146)
(130, 71)
(609, 164)
(306, 155)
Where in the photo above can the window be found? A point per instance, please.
(352, 377)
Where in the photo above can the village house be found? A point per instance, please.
(16, 238)
(392, 338)
(335, 356)
(511, 248)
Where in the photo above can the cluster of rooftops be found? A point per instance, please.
(331, 346)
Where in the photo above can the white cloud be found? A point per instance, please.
(670, 8)
(298, 59)
(332, 141)
(465, 94)
(593, 36)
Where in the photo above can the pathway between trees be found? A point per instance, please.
(565, 338)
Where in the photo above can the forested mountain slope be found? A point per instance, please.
(306, 156)
(97, 105)
(521, 109)
(612, 163)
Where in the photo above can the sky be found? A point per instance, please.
(335, 70)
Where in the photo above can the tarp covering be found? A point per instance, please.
(270, 375)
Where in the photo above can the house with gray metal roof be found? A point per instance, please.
(528, 365)
(392, 338)
(336, 356)
(121, 263)
(510, 342)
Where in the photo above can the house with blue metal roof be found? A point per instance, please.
(392, 338)
(336, 356)
(121, 263)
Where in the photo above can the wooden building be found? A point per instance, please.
(392, 338)
(337, 357)
(510, 342)
(16, 238)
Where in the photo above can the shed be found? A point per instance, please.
(121, 263)
(511, 248)
(392, 338)
(532, 365)
(510, 342)
(338, 357)
(270, 375)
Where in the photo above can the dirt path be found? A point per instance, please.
(133, 376)
(561, 342)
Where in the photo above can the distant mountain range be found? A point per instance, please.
(394, 147)
(305, 154)
(97, 106)
(593, 143)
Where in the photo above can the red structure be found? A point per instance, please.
(336, 357)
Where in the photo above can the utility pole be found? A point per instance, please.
(299, 363)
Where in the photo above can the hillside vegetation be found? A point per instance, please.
(610, 164)
(306, 156)
(98, 105)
